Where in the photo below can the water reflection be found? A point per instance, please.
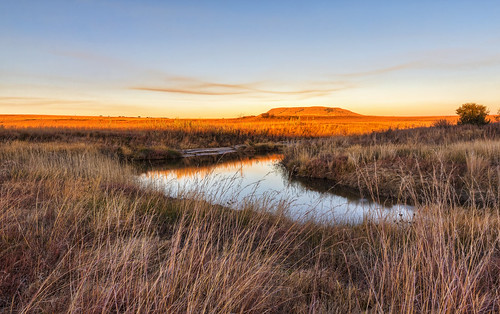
(181, 170)
(263, 180)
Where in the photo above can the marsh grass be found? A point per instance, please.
(458, 166)
(78, 234)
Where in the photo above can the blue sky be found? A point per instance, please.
(232, 58)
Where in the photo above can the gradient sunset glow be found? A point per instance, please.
(201, 59)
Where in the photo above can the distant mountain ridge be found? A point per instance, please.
(310, 111)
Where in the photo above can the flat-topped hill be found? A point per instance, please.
(311, 111)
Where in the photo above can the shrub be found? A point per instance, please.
(472, 113)
(442, 123)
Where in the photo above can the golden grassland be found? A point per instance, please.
(79, 234)
(162, 139)
(272, 126)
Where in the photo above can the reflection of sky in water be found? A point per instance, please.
(262, 179)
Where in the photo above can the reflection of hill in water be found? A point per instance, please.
(202, 171)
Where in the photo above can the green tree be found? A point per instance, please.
(472, 113)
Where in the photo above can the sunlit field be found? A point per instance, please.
(273, 126)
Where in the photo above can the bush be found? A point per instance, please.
(442, 123)
(472, 113)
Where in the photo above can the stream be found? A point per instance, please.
(264, 182)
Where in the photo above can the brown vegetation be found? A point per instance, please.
(78, 234)
(409, 165)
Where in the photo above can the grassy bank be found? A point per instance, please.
(457, 165)
(145, 144)
(78, 234)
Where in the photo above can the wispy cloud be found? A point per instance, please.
(193, 86)
(399, 67)
(448, 61)
(187, 91)
(40, 101)
(88, 105)
(108, 62)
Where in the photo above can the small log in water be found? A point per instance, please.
(196, 152)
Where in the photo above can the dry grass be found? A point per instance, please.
(459, 165)
(78, 235)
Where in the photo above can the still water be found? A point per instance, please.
(263, 181)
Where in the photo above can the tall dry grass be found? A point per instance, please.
(78, 234)
(459, 165)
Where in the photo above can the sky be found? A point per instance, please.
(221, 59)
